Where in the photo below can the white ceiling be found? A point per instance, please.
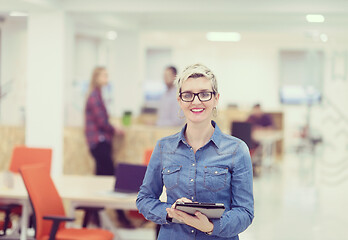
(194, 15)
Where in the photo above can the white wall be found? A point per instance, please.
(84, 58)
(121, 58)
(89, 52)
(247, 71)
(13, 70)
(242, 68)
(127, 72)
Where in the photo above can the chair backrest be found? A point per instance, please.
(22, 155)
(147, 156)
(43, 195)
(242, 130)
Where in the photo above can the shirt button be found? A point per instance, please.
(192, 198)
(216, 172)
(168, 170)
(191, 180)
(193, 231)
(193, 164)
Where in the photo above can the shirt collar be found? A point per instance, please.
(215, 138)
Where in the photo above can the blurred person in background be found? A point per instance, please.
(259, 119)
(99, 132)
(168, 107)
(198, 164)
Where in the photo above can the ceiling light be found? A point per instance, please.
(223, 36)
(324, 37)
(18, 14)
(315, 18)
(111, 35)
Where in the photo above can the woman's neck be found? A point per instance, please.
(198, 134)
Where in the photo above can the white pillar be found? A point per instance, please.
(45, 82)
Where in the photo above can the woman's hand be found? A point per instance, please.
(199, 221)
(183, 199)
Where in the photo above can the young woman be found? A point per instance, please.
(199, 164)
(99, 132)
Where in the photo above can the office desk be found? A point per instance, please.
(16, 195)
(96, 190)
(78, 190)
(267, 139)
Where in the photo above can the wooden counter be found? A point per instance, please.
(130, 148)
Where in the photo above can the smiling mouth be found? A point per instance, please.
(197, 110)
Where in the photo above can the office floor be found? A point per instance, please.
(303, 197)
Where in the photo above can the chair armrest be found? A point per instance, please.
(8, 207)
(85, 208)
(59, 218)
(55, 225)
(4, 208)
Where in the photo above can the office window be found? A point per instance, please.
(301, 76)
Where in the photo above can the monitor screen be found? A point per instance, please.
(299, 95)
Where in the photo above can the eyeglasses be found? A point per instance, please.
(202, 96)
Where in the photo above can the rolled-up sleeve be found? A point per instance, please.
(148, 202)
(241, 214)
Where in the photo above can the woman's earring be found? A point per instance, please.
(181, 116)
(215, 113)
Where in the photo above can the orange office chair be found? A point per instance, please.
(22, 155)
(147, 156)
(49, 211)
(25, 155)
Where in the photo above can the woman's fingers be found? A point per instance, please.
(179, 215)
(200, 216)
(169, 212)
(183, 199)
(198, 221)
(173, 214)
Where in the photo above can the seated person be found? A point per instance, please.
(259, 119)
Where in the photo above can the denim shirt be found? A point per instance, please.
(219, 172)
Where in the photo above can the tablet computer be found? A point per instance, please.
(211, 210)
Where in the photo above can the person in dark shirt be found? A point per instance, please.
(259, 119)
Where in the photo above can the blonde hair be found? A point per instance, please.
(94, 79)
(196, 71)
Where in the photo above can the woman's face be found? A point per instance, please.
(103, 78)
(198, 111)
